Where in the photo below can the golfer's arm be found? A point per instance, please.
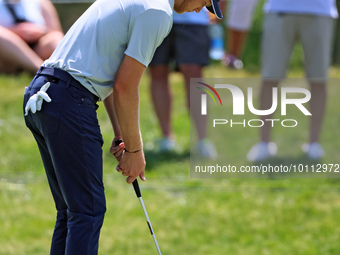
(126, 101)
(109, 106)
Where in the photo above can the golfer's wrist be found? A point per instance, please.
(133, 151)
(133, 148)
(133, 145)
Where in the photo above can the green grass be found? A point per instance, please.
(189, 216)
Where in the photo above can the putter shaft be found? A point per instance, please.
(139, 196)
(149, 223)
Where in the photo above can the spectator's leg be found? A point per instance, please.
(317, 109)
(316, 39)
(278, 40)
(238, 23)
(190, 41)
(16, 54)
(237, 39)
(48, 43)
(161, 97)
(266, 101)
(194, 71)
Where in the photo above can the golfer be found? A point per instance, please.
(106, 50)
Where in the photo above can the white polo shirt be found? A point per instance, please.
(94, 47)
(313, 7)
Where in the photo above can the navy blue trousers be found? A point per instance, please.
(70, 143)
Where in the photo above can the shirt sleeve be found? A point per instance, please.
(148, 31)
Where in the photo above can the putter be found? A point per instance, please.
(139, 196)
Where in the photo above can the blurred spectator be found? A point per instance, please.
(30, 30)
(216, 33)
(287, 21)
(187, 46)
(238, 23)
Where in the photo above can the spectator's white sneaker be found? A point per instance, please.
(206, 149)
(313, 150)
(262, 151)
(232, 62)
(166, 144)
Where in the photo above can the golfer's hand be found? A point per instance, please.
(117, 150)
(35, 102)
(132, 165)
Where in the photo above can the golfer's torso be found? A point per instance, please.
(94, 47)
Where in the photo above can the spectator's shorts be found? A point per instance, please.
(281, 31)
(185, 44)
(240, 14)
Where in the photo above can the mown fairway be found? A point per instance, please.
(189, 216)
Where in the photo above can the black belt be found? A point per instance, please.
(64, 76)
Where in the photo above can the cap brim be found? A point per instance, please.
(215, 9)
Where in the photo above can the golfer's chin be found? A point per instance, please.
(179, 10)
